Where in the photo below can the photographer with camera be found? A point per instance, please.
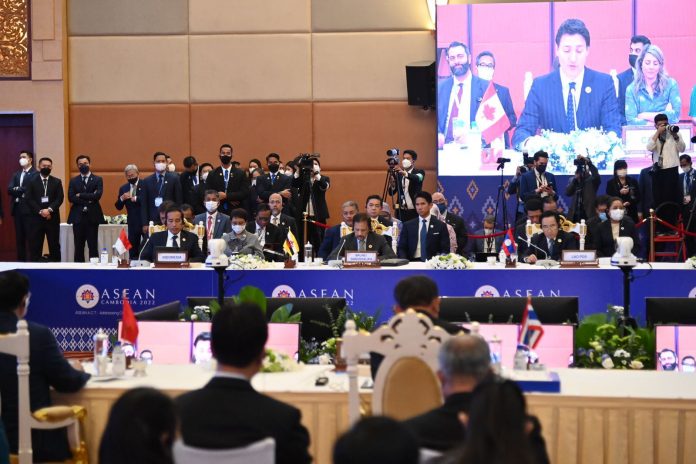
(410, 182)
(514, 184)
(312, 187)
(626, 188)
(666, 144)
(583, 188)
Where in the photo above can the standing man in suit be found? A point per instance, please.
(455, 221)
(638, 43)
(84, 192)
(274, 181)
(687, 181)
(485, 68)
(216, 223)
(571, 97)
(334, 234)
(189, 181)
(161, 186)
(44, 196)
(269, 236)
(231, 183)
(552, 241)
(537, 183)
(363, 239)
(459, 96)
(18, 208)
(228, 412)
(49, 369)
(174, 237)
(280, 219)
(130, 196)
(312, 200)
(423, 237)
(410, 179)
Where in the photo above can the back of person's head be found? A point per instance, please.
(533, 204)
(13, 288)
(376, 440)
(465, 356)
(496, 429)
(141, 429)
(239, 333)
(415, 291)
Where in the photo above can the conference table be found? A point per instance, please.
(600, 416)
(76, 299)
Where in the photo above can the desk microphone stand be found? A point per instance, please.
(221, 283)
(626, 320)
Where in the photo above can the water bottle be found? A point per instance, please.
(104, 257)
(459, 131)
(100, 352)
(496, 348)
(521, 360)
(308, 249)
(118, 361)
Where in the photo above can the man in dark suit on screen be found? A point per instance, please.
(363, 239)
(228, 412)
(174, 237)
(84, 192)
(49, 369)
(423, 237)
(44, 197)
(130, 196)
(571, 97)
(161, 186)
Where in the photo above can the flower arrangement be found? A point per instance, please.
(117, 219)
(247, 262)
(603, 148)
(691, 263)
(278, 362)
(449, 261)
(606, 340)
(202, 313)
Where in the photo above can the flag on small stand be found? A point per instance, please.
(291, 247)
(491, 117)
(509, 245)
(129, 324)
(531, 331)
(122, 243)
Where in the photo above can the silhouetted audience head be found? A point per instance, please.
(141, 429)
(376, 440)
(239, 333)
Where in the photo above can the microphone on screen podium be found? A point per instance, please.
(546, 262)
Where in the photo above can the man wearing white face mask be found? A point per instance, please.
(485, 68)
(619, 224)
(216, 223)
(19, 209)
(240, 241)
(411, 180)
(158, 188)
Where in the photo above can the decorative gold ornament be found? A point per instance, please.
(14, 39)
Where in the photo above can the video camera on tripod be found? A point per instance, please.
(305, 161)
(392, 158)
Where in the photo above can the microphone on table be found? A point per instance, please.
(273, 252)
(546, 262)
(338, 262)
(138, 263)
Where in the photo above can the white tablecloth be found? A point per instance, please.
(108, 234)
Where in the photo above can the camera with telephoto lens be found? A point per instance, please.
(672, 129)
(580, 161)
(305, 161)
(393, 157)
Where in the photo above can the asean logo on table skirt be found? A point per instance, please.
(87, 296)
(283, 291)
(692, 293)
(487, 291)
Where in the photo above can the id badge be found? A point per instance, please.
(158, 202)
(44, 199)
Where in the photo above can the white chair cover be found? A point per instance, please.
(260, 452)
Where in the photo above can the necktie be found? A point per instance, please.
(551, 248)
(227, 177)
(174, 243)
(45, 181)
(195, 180)
(454, 113)
(159, 182)
(423, 239)
(84, 180)
(275, 220)
(210, 227)
(273, 179)
(21, 178)
(361, 245)
(570, 107)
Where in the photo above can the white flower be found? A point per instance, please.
(621, 354)
(636, 364)
(607, 363)
(448, 261)
(194, 317)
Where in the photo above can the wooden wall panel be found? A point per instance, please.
(369, 15)
(237, 16)
(127, 17)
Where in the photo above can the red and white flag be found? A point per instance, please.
(531, 330)
(122, 244)
(129, 324)
(491, 117)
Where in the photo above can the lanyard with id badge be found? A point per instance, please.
(158, 198)
(44, 198)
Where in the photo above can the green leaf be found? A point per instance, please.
(282, 315)
(250, 294)
(214, 306)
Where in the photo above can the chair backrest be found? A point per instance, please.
(17, 344)
(260, 452)
(428, 456)
(405, 384)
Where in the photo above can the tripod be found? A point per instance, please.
(388, 192)
(501, 196)
(579, 200)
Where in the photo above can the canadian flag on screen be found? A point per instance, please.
(491, 117)
(129, 326)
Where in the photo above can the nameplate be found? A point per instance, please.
(171, 256)
(363, 257)
(579, 258)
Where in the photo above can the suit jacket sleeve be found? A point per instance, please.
(96, 194)
(59, 196)
(527, 187)
(242, 192)
(444, 238)
(609, 109)
(529, 119)
(296, 443)
(32, 195)
(327, 245)
(403, 247)
(178, 192)
(146, 203)
(119, 204)
(385, 250)
(59, 372)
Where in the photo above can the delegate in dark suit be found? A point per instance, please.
(221, 226)
(229, 413)
(332, 238)
(285, 223)
(480, 245)
(460, 231)
(545, 108)
(478, 88)
(85, 214)
(589, 192)
(625, 79)
(236, 188)
(48, 369)
(20, 211)
(373, 242)
(272, 183)
(48, 197)
(528, 184)
(163, 186)
(604, 240)
(437, 241)
(188, 241)
(189, 182)
(133, 213)
(273, 239)
(563, 241)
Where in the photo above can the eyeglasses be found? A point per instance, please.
(485, 65)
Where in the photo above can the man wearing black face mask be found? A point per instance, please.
(638, 43)
(231, 183)
(274, 182)
(130, 196)
(84, 192)
(537, 182)
(44, 196)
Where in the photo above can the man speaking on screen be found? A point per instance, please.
(571, 97)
